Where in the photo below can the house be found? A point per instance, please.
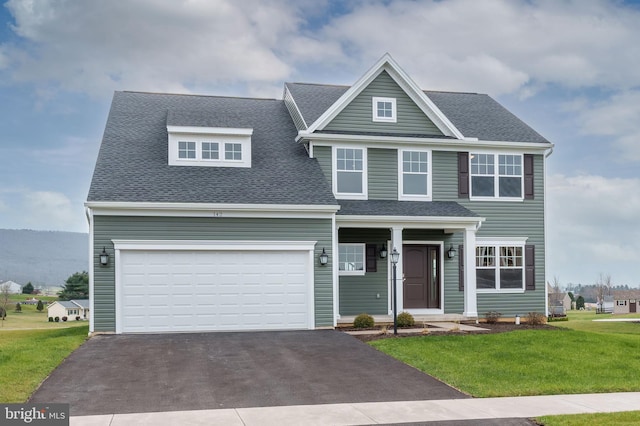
(14, 288)
(69, 308)
(626, 301)
(559, 302)
(218, 213)
(606, 305)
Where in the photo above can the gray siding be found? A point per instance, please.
(107, 228)
(323, 155)
(357, 116)
(503, 219)
(293, 111)
(382, 174)
(359, 294)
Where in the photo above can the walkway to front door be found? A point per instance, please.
(421, 282)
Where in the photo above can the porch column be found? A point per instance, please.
(470, 293)
(396, 242)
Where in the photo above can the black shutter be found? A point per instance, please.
(460, 267)
(372, 264)
(528, 176)
(463, 175)
(530, 267)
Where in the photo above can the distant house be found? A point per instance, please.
(606, 306)
(14, 288)
(559, 302)
(69, 308)
(626, 301)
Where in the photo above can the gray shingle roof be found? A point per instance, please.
(475, 115)
(403, 208)
(132, 164)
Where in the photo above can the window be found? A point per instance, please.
(350, 172)
(384, 109)
(187, 150)
(351, 259)
(503, 181)
(232, 151)
(500, 267)
(210, 151)
(414, 179)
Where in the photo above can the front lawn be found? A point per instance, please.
(27, 357)
(625, 418)
(30, 318)
(525, 362)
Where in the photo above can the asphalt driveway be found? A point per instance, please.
(169, 372)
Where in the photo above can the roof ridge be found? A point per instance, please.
(197, 95)
(317, 84)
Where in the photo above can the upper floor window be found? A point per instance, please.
(503, 181)
(384, 109)
(414, 179)
(500, 267)
(232, 151)
(350, 172)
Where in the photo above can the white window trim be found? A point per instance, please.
(334, 174)
(362, 246)
(209, 135)
(374, 106)
(408, 197)
(496, 177)
(497, 243)
(202, 147)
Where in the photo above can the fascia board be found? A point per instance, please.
(237, 131)
(422, 222)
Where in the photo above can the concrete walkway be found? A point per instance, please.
(369, 413)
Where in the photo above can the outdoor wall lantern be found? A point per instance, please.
(324, 257)
(383, 252)
(451, 252)
(104, 257)
(395, 256)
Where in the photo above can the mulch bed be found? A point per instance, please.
(490, 328)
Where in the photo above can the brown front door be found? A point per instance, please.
(632, 306)
(421, 285)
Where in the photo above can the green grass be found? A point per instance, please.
(584, 321)
(30, 318)
(27, 357)
(625, 418)
(525, 362)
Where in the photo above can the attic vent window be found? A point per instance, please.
(384, 109)
(209, 146)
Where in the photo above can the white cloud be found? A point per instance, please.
(592, 228)
(51, 210)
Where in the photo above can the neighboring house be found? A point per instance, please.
(69, 308)
(216, 213)
(626, 301)
(606, 306)
(559, 302)
(14, 288)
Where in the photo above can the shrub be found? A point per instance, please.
(57, 319)
(77, 317)
(64, 318)
(18, 307)
(492, 317)
(50, 319)
(363, 321)
(405, 319)
(535, 318)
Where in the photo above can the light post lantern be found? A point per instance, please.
(395, 256)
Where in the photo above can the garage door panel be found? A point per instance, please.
(213, 290)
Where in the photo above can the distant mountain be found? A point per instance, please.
(46, 258)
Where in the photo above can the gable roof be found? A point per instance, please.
(626, 294)
(132, 164)
(475, 115)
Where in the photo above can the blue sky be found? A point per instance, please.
(567, 68)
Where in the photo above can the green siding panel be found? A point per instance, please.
(107, 228)
(382, 174)
(357, 116)
(323, 155)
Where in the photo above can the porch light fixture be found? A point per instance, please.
(324, 257)
(451, 252)
(104, 257)
(395, 256)
(383, 252)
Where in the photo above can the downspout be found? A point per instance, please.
(544, 231)
(89, 214)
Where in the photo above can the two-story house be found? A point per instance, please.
(219, 213)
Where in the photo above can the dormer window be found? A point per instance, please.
(209, 146)
(384, 109)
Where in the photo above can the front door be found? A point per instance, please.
(421, 285)
(632, 306)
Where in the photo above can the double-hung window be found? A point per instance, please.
(350, 172)
(384, 109)
(351, 259)
(415, 183)
(496, 176)
(500, 267)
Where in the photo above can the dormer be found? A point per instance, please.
(209, 146)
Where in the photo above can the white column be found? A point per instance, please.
(396, 242)
(470, 293)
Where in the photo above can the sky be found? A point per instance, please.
(569, 69)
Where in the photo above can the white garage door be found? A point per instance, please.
(196, 290)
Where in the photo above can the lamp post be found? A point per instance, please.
(394, 260)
